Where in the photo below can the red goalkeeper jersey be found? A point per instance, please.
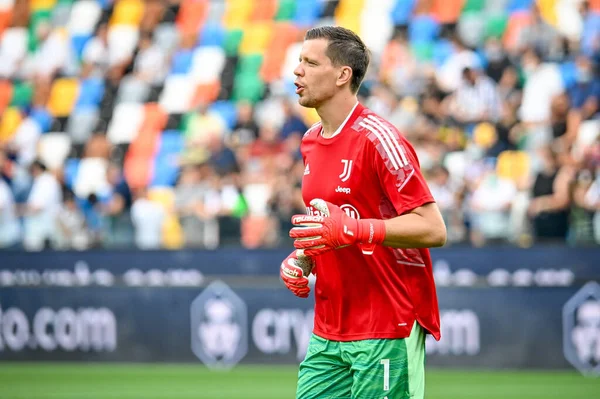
(370, 171)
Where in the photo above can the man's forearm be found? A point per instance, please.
(413, 230)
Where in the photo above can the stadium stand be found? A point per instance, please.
(173, 123)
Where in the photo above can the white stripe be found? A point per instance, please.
(387, 138)
(412, 172)
(410, 263)
(393, 136)
(385, 147)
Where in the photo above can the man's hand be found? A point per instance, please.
(320, 234)
(294, 273)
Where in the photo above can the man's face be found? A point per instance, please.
(316, 76)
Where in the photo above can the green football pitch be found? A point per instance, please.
(159, 381)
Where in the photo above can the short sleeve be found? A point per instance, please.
(400, 174)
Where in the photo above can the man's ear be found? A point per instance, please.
(345, 76)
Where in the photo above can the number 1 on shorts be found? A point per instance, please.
(386, 374)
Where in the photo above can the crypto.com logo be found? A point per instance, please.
(219, 322)
(581, 329)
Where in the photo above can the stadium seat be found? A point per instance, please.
(250, 64)
(122, 41)
(496, 6)
(309, 11)
(290, 61)
(13, 48)
(6, 94)
(154, 118)
(226, 110)
(70, 171)
(422, 51)
(191, 15)
(256, 38)
(6, 16)
(286, 10)
(519, 5)
(166, 36)
(61, 14)
(10, 120)
(125, 123)
(447, 11)
(237, 13)
(484, 135)
(402, 12)
(82, 124)
(216, 11)
(182, 61)
(212, 34)
(91, 177)
(264, 10)
(376, 31)
(84, 17)
(63, 96)
(205, 93)
(568, 72)
(473, 5)
(496, 25)
(127, 12)
(165, 170)
(248, 87)
(172, 233)
(517, 21)
(442, 49)
(145, 144)
(177, 94)
(207, 64)
(91, 92)
(471, 28)
(36, 5)
(233, 38)
(78, 42)
(164, 196)
(42, 117)
(137, 171)
(513, 165)
(423, 29)
(53, 149)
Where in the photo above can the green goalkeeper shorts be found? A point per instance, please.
(366, 369)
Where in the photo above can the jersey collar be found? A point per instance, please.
(352, 115)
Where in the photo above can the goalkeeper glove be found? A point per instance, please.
(320, 234)
(294, 272)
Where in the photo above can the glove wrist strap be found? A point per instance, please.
(371, 231)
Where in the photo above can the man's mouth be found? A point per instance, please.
(299, 88)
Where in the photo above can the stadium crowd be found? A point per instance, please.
(173, 123)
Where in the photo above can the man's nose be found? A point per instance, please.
(298, 71)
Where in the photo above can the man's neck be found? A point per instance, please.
(334, 113)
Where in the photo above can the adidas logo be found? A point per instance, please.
(307, 170)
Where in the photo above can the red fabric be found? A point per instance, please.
(370, 171)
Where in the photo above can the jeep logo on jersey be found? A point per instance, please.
(345, 175)
(581, 329)
(219, 326)
(350, 211)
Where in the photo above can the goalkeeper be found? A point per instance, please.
(371, 218)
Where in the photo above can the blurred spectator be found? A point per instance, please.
(491, 205)
(245, 130)
(476, 99)
(197, 204)
(41, 209)
(10, 229)
(72, 231)
(541, 35)
(148, 218)
(548, 208)
(542, 82)
(481, 90)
